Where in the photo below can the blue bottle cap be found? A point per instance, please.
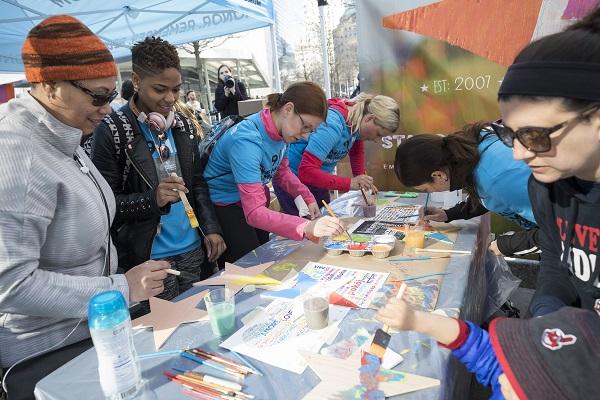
(105, 306)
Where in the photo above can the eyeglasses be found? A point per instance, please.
(306, 128)
(533, 138)
(98, 100)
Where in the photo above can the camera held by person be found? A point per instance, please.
(229, 81)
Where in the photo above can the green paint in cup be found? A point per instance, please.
(220, 304)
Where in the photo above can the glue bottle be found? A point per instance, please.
(110, 328)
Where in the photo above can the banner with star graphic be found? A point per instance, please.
(443, 61)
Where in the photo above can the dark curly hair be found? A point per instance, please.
(153, 55)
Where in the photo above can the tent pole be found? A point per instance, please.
(326, 81)
(209, 107)
(119, 79)
(276, 74)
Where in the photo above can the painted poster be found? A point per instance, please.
(276, 334)
(360, 286)
(443, 61)
(342, 286)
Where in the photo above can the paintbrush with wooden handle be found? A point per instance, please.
(332, 214)
(381, 339)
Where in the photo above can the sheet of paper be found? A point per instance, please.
(276, 336)
(359, 289)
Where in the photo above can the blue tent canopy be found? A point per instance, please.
(121, 23)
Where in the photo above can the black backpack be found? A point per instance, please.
(207, 144)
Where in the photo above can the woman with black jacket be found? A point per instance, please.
(148, 153)
(550, 105)
(229, 91)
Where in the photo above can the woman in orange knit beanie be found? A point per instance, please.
(55, 207)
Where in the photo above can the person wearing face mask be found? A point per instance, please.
(148, 153)
(349, 124)
(228, 92)
(550, 106)
(251, 154)
(56, 208)
(474, 160)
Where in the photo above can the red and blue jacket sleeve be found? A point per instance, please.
(474, 350)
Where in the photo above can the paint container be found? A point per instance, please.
(220, 304)
(357, 249)
(385, 239)
(414, 239)
(334, 248)
(369, 211)
(381, 250)
(316, 312)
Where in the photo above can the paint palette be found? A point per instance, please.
(358, 249)
(398, 213)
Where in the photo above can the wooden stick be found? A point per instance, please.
(188, 207)
(442, 251)
(399, 295)
(364, 196)
(332, 214)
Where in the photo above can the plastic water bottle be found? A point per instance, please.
(110, 328)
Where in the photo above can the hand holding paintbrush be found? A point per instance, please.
(332, 214)
(400, 315)
(381, 339)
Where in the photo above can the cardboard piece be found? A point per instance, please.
(252, 106)
(340, 378)
(166, 316)
(235, 278)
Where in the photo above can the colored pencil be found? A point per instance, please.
(199, 380)
(212, 365)
(223, 361)
(242, 359)
(196, 388)
(211, 379)
(158, 354)
(443, 251)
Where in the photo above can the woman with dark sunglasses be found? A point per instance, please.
(474, 160)
(253, 153)
(549, 100)
(55, 207)
(149, 169)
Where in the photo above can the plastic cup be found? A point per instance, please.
(369, 211)
(381, 250)
(220, 304)
(316, 312)
(414, 239)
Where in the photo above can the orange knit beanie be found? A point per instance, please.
(62, 48)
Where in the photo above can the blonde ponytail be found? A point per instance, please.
(384, 108)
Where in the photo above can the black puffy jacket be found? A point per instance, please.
(138, 215)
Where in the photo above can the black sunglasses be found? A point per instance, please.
(533, 138)
(98, 100)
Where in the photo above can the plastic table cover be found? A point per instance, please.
(464, 286)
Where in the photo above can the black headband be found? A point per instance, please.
(574, 80)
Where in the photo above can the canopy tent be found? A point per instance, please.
(121, 23)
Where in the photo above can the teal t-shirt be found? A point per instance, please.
(501, 182)
(330, 143)
(244, 154)
(176, 235)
